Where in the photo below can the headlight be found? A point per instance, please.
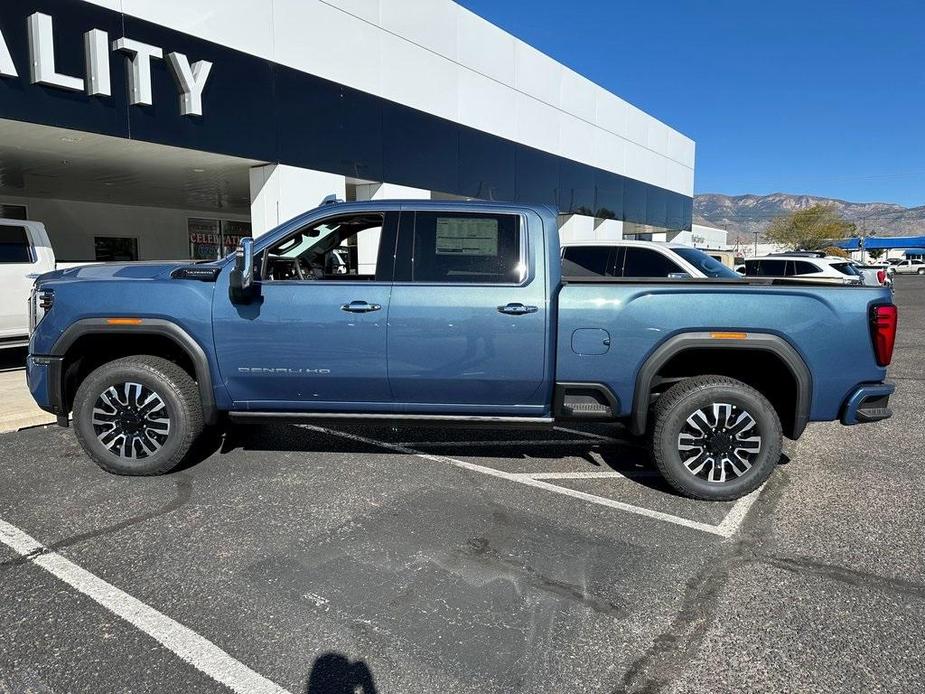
(40, 302)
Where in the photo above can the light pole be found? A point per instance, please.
(756, 242)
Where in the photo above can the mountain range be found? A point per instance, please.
(743, 215)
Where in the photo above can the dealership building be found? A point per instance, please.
(150, 129)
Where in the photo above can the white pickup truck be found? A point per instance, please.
(25, 253)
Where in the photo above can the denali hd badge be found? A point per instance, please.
(190, 79)
(265, 371)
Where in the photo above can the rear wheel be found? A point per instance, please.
(715, 438)
(139, 415)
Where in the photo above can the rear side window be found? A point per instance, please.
(801, 267)
(587, 261)
(643, 262)
(14, 245)
(846, 269)
(467, 248)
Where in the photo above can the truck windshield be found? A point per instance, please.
(711, 267)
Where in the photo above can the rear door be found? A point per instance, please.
(17, 262)
(468, 316)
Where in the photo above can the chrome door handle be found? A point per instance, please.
(517, 309)
(360, 307)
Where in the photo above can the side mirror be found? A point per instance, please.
(241, 279)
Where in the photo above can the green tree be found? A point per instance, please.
(875, 253)
(809, 229)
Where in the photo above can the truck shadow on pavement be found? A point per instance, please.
(627, 458)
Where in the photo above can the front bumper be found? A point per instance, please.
(44, 378)
(868, 403)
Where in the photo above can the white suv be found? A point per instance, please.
(832, 270)
(640, 259)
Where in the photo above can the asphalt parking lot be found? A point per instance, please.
(305, 559)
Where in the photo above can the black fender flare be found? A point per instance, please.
(147, 326)
(764, 342)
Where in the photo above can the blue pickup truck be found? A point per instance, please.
(454, 314)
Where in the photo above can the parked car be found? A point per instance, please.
(804, 268)
(465, 319)
(632, 259)
(25, 253)
(910, 267)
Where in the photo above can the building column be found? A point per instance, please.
(608, 229)
(576, 227)
(279, 193)
(390, 191)
(368, 244)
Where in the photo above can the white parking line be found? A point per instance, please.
(196, 650)
(590, 475)
(727, 528)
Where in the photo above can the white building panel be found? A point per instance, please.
(537, 123)
(485, 49)
(487, 105)
(367, 10)
(348, 51)
(245, 25)
(432, 55)
(537, 75)
(426, 23)
(578, 96)
(419, 78)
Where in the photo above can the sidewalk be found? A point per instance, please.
(17, 408)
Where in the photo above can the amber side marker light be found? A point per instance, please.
(729, 336)
(123, 321)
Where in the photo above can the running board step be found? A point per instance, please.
(585, 401)
(472, 421)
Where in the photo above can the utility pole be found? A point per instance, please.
(756, 242)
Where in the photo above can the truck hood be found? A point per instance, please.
(144, 270)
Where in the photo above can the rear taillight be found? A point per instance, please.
(883, 332)
(881, 276)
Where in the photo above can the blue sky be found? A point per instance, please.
(816, 96)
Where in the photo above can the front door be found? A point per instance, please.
(314, 338)
(467, 321)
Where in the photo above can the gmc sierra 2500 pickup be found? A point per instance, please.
(454, 313)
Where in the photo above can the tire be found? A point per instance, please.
(921, 271)
(138, 415)
(685, 444)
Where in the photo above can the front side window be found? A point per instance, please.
(467, 248)
(587, 261)
(14, 245)
(765, 268)
(644, 262)
(345, 248)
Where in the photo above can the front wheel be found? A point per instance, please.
(138, 415)
(715, 438)
(921, 271)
